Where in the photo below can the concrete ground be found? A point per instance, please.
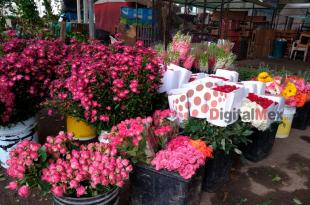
(281, 179)
(293, 65)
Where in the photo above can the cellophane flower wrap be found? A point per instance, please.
(257, 105)
(104, 85)
(182, 155)
(140, 138)
(65, 168)
(293, 88)
(27, 66)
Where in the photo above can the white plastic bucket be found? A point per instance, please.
(284, 128)
(12, 134)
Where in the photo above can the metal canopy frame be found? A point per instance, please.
(220, 4)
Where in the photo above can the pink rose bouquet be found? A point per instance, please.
(65, 168)
(181, 156)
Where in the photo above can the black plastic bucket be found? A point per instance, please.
(151, 187)
(217, 171)
(261, 145)
(302, 117)
(109, 198)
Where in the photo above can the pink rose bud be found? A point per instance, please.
(12, 185)
(24, 191)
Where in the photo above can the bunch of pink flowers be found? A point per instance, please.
(107, 84)
(80, 168)
(139, 138)
(58, 145)
(26, 69)
(89, 164)
(179, 156)
(22, 158)
(179, 52)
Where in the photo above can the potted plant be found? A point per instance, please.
(73, 173)
(26, 69)
(224, 141)
(98, 86)
(165, 165)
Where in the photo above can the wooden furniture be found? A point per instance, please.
(302, 44)
(261, 43)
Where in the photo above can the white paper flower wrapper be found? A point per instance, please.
(170, 81)
(255, 87)
(185, 74)
(233, 76)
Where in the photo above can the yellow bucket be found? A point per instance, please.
(284, 128)
(81, 130)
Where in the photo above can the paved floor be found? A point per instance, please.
(278, 180)
(275, 63)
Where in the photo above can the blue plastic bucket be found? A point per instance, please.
(278, 48)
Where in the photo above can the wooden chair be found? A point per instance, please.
(302, 44)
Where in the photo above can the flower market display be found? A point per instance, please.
(169, 123)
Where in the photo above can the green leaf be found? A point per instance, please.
(42, 153)
(276, 178)
(297, 201)
(265, 202)
(223, 143)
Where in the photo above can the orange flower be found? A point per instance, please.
(202, 147)
(301, 99)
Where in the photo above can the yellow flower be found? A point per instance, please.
(264, 77)
(290, 90)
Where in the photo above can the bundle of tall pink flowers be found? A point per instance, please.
(178, 51)
(66, 169)
(181, 156)
(26, 69)
(106, 84)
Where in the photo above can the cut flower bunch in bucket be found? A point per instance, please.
(65, 168)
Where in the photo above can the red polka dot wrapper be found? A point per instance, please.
(199, 94)
(223, 104)
(178, 102)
